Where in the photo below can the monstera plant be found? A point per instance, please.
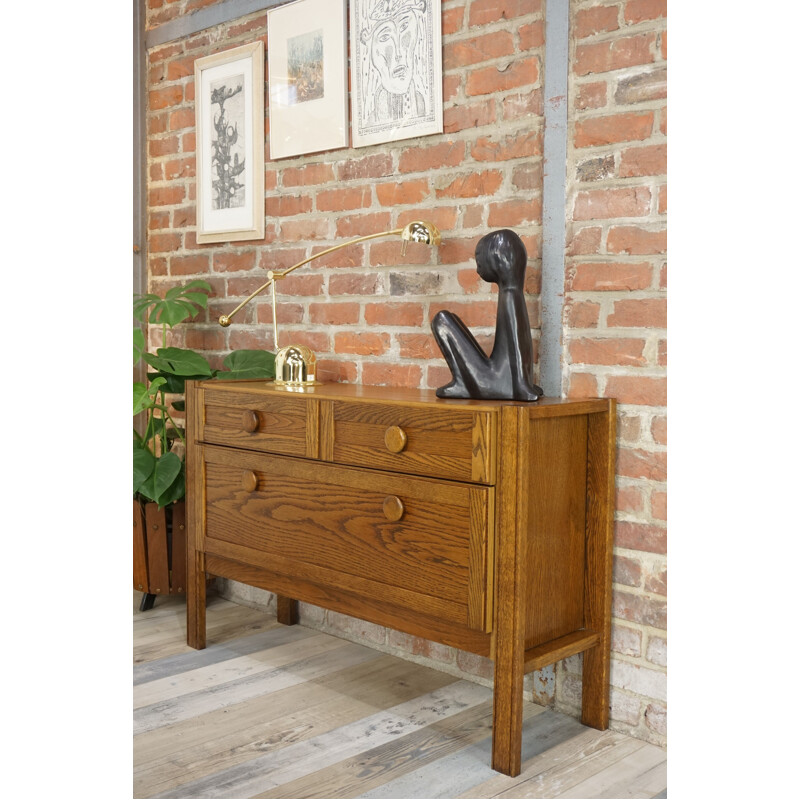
(159, 444)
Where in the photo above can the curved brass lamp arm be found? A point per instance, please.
(416, 231)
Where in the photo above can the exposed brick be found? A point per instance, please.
(625, 641)
(483, 12)
(403, 193)
(658, 429)
(418, 345)
(581, 314)
(639, 161)
(475, 184)
(610, 276)
(288, 206)
(334, 313)
(362, 343)
(376, 166)
(618, 352)
(424, 159)
(165, 97)
(643, 10)
(519, 145)
(591, 95)
(355, 284)
(582, 384)
(531, 36)
(639, 609)
(362, 224)
(598, 19)
(511, 213)
(472, 115)
(346, 199)
(636, 240)
(638, 390)
(633, 201)
(465, 52)
(627, 571)
(658, 505)
(305, 229)
(613, 129)
(630, 499)
(642, 88)
(614, 54)
(387, 313)
(408, 375)
(476, 313)
(584, 241)
(643, 313)
(488, 80)
(308, 175)
(645, 464)
(596, 169)
(164, 242)
(189, 265)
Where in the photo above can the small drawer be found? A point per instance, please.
(271, 423)
(452, 443)
(420, 545)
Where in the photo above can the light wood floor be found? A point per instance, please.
(273, 711)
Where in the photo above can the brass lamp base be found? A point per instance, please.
(295, 367)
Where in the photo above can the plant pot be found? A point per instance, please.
(159, 550)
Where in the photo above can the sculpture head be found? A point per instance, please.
(502, 259)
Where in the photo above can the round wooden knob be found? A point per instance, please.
(393, 508)
(249, 480)
(249, 421)
(395, 439)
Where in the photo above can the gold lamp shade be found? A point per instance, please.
(296, 365)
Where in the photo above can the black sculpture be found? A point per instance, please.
(507, 374)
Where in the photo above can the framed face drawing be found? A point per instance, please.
(229, 120)
(307, 58)
(396, 52)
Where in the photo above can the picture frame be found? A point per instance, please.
(396, 66)
(229, 120)
(307, 75)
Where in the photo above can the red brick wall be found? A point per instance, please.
(615, 315)
(366, 310)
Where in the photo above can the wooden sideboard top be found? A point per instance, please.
(544, 407)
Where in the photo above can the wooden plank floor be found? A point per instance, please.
(273, 711)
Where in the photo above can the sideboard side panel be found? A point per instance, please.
(555, 542)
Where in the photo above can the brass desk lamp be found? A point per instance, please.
(295, 364)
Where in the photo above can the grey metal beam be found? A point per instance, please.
(188, 24)
(554, 194)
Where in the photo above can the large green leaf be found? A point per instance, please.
(175, 491)
(166, 481)
(144, 463)
(178, 361)
(168, 468)
(179, 303)
(242, 364)
(143, 395)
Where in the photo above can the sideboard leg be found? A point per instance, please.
(196, 601)
(287, 610)
(509, 622)
(599, 546)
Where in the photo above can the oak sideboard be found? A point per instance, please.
(482, 525)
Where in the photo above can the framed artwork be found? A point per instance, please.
(307, 61)
(229, 119)
(396, 52)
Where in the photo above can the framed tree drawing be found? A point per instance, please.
(307, 61)
(229, 118)
(396, 52)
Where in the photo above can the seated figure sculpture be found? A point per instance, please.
(507, 374)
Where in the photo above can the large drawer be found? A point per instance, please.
(272, 423)
(452, 443)
(419, 544)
